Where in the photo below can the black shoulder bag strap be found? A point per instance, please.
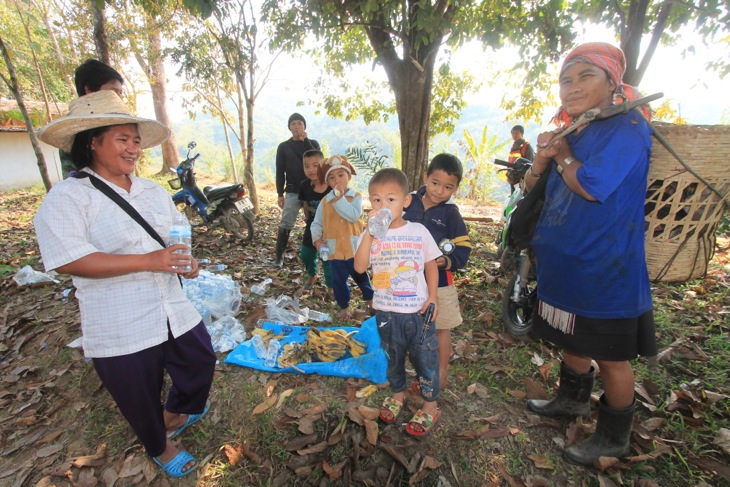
(123, 204)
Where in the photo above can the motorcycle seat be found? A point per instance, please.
(219, 192)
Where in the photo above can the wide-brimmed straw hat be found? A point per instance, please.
(100, 109)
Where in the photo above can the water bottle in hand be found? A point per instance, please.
(379, 222)
(182, 233)
(272, 354)
(324, 253)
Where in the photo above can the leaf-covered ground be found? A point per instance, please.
(60, 427)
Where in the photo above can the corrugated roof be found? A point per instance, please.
(11, 124)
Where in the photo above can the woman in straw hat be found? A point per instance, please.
(135, 318)
(594, 298)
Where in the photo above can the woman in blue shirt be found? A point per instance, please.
(594, 298)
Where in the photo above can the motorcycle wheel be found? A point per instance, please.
(239, 225)
(517, 316)
(190, 213)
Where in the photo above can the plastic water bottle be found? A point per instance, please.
(182, 233)
(379, 222)
(324, 253)
(260, 289)
(258, 347)
(216, 267)
(272, 353)
(318, 316)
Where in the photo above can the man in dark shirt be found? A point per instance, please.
(289, 174)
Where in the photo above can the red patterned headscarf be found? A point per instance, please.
(609, 58)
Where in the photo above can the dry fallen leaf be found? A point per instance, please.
(368, 412)
(534, 389)
(306, 425)
(604, 463)
(334, 472)
(722, 439)
(283, 396)
(314, 449)
(540, 462)
(233, 453)
(371, 429)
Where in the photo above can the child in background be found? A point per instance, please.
(311, 192)
(407, 254)
(431, 206)
(337, 225)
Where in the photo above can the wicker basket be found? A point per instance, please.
(682, 213)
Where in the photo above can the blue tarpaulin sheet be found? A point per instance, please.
(371, 365)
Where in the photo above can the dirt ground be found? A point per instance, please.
(60, 427)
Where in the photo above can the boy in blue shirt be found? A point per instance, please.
(432, 206)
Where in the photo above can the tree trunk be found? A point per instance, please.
(248, 167)
(631, 40)
(411, 79)
(12, 83)
(43, 8)
(69, 36)
(100, 39)
(228, 137)
(158, 85)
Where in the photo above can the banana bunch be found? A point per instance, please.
(330, 345)
(294, 353)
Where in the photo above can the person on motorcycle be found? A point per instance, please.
(594, 297)
(289, 175)
(521, 147)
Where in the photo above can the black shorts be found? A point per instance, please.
(603, 339)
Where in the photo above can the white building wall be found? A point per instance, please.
(18, 163)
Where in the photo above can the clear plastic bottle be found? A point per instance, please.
(324, 253)
(216, 267)
(258, 346)
(182, 233)
(260, 289)
(318, 316)
(272, 353)
(379, 222)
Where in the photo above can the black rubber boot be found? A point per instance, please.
(611, 438)
(281, 240)
(573, 399)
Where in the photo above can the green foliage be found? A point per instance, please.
(660, 21)
(367, 158)
(480, 178)
(23, 47)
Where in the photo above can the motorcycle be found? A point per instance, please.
(520, 295)
(228, 205)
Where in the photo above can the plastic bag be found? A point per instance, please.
(27, 275)
(226, 333)
(285, 310)
(213, 294)
(371, 365)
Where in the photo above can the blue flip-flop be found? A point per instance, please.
(192, 419)
(174, 468)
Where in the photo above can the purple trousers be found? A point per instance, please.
(135, 383)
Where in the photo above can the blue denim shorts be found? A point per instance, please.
(404, 334)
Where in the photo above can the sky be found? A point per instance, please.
(699, 96)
